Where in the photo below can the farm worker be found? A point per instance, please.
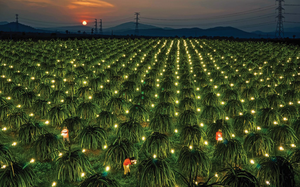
(65, 134)
(219, 135)
(126, 163)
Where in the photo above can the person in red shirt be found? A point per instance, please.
(219, 135)
(65, 134)
(126, 163)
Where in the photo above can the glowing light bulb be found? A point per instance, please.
(83, 150)
(154, 156)
(252, 161)
(172, 151)
(53, 183)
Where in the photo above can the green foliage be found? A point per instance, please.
(5, 109)
(118, 151)
(70, 104)
(130, 130)
(192, 135)
(155, 173)
(211, 113)
(5, 155)
(258, 144)
(17, 175)
(193, 162)
(188, 117)
(267, 116)
(138, 113)
(214, 127)
(57, 96)
(106, 119)
(237, 177)
(99, 180)
(143, 100)
(187, 104)
(116, 105)
(283, 134)
(87, 110)
(41, 107)
(277, 170)
(28, 98)
(101, 98)
(230, 94)
(230, 153)
(167, 96)
(92, 137)
(47, 146)
(157, 144)
(233, 108)
(74, 124)
(71, 164)
(29, 132)
(165, 108)
(161, 123)
(17, 118)
(187, 92)
(210, 99)
(244, 122)
(57, 115)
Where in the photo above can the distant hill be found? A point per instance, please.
(3, 22)
(18, 27)
(72, 29)
(150, 30)
(128, 26)
(187, 32)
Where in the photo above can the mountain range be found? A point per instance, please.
(149, 30)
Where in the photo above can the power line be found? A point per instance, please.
(224, 22)
(291, 4)
(293, 13)
(291, 22)
(217, 17)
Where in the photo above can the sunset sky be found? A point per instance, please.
(162, 13)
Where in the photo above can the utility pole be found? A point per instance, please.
(96, 29)
(17, 22)
(279, 28)
(101, 26)
(137, 23)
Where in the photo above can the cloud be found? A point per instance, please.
(89, 3)
(41, 3)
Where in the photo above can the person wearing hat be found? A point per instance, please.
(219, 135)
(126, 164)
(65, 134)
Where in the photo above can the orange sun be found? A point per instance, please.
(84, 23)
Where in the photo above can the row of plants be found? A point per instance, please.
(160, 100)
